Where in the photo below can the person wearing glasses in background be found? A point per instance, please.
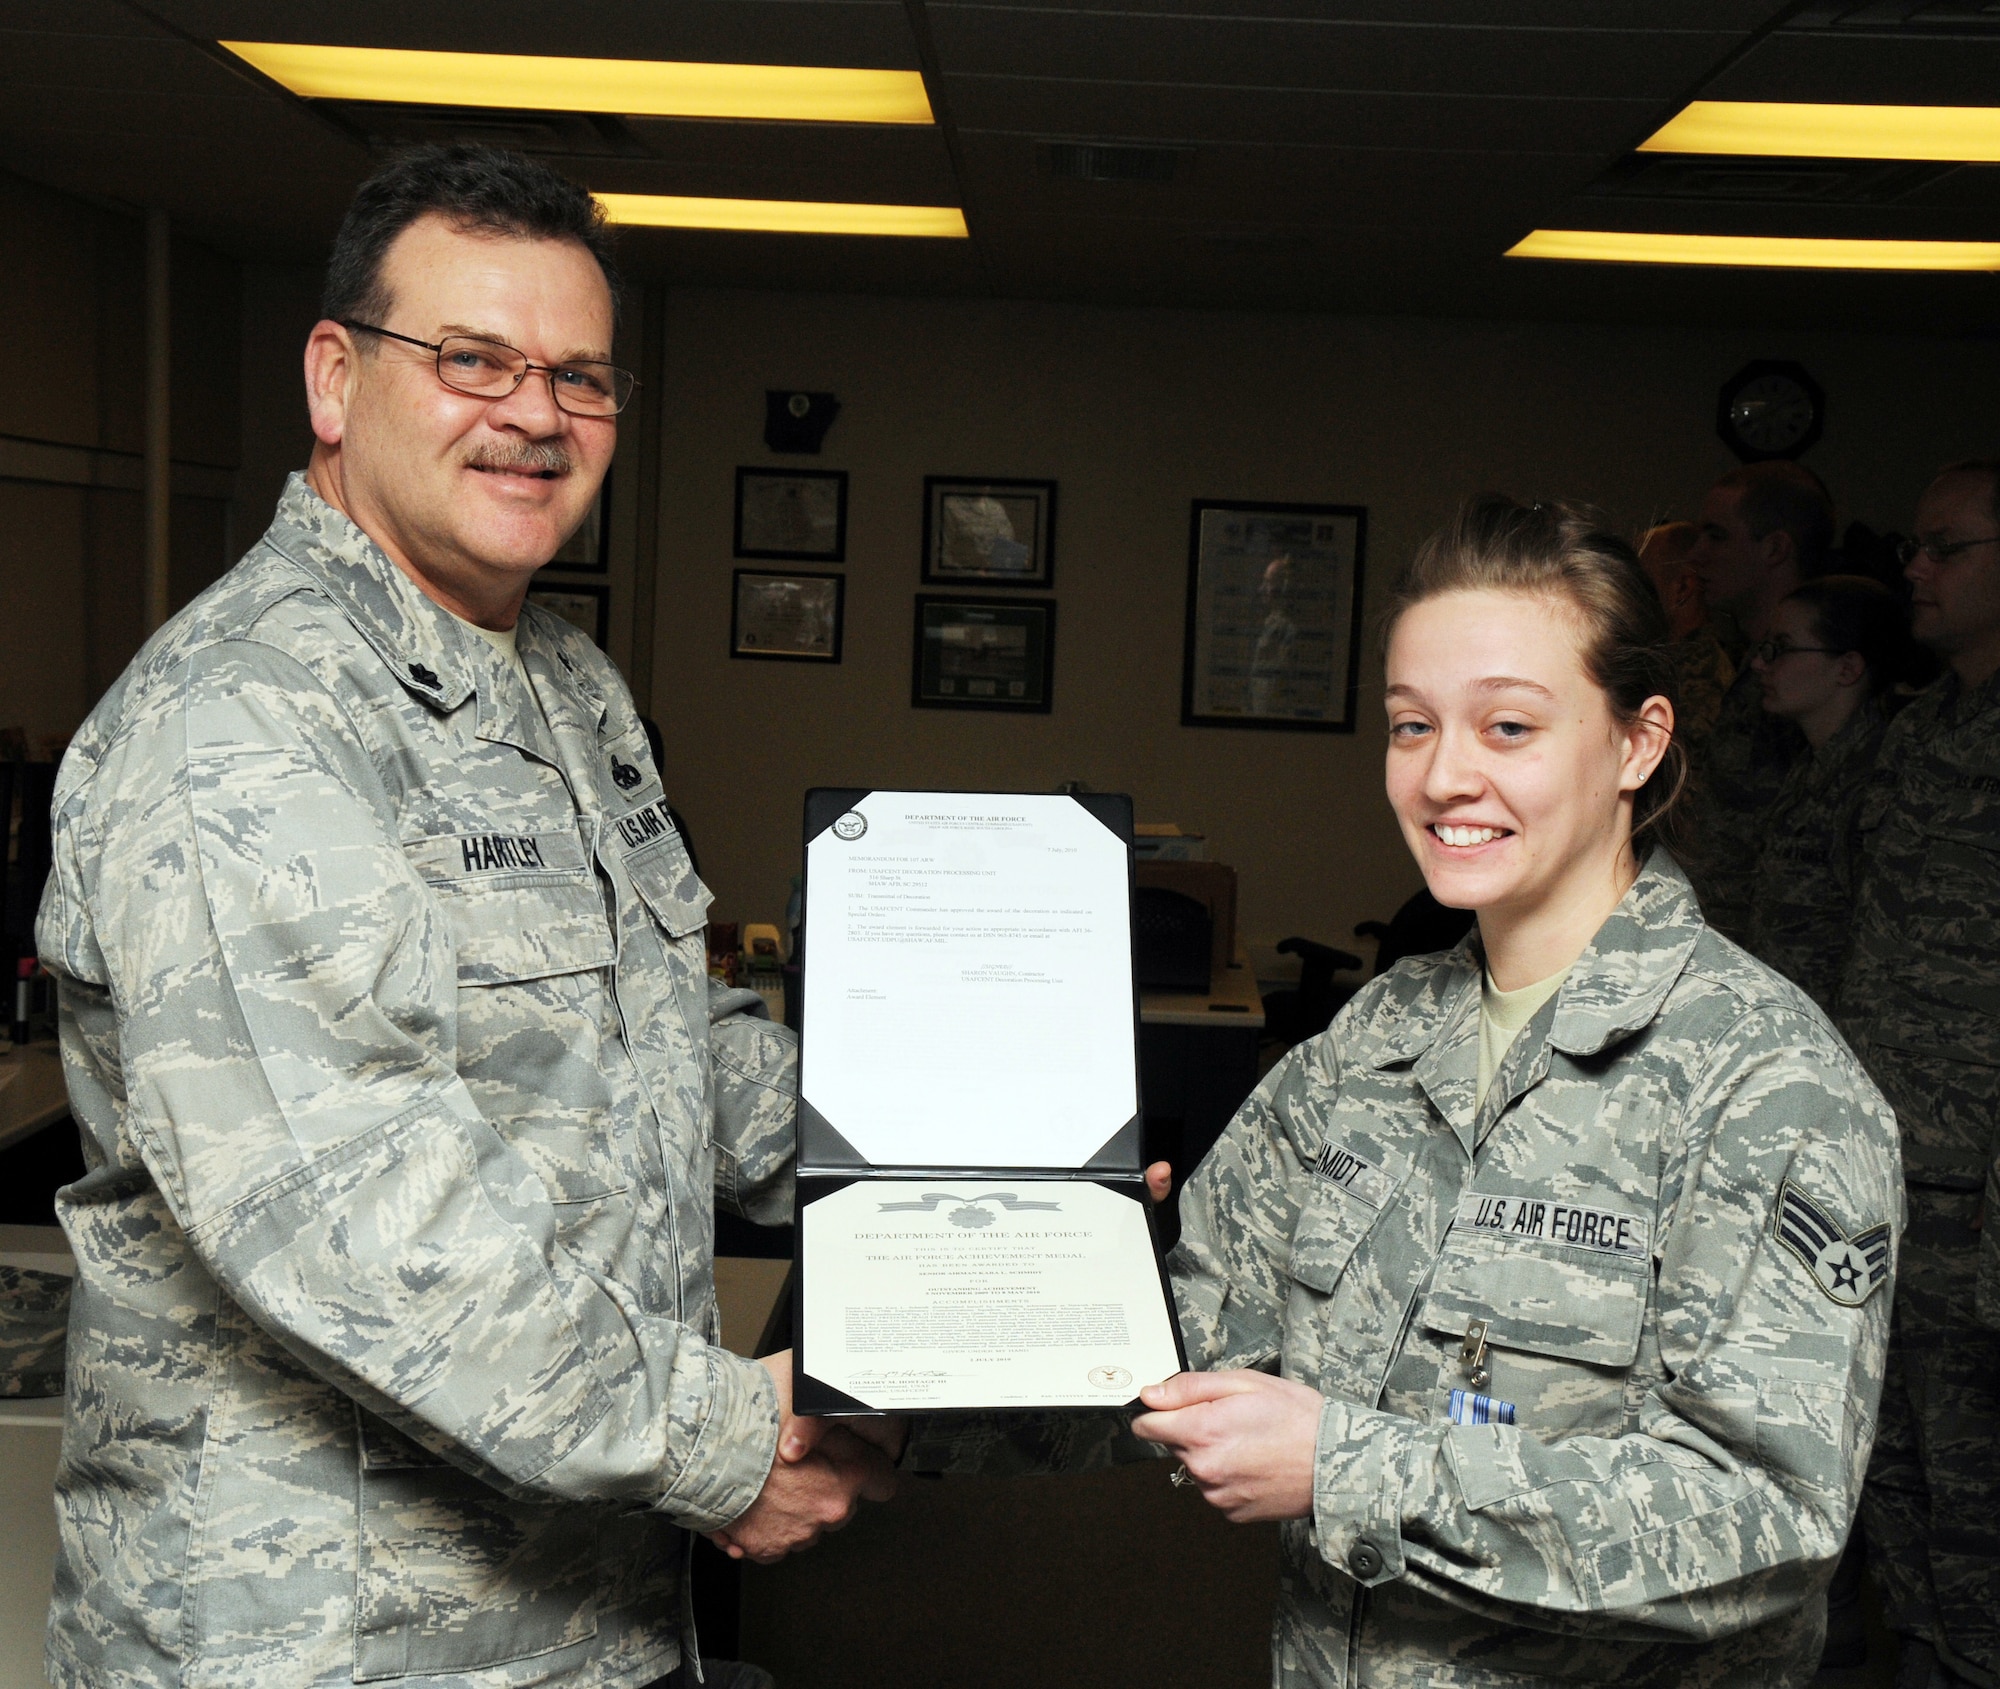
(1920, 1003)
(1765, 530)
(404, 1090)
(1834, 649)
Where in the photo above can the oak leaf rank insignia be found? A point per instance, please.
(1848, 1269)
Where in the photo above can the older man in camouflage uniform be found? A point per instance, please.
(1765, 529)
(404, 1089)
(1598, 1357)
(1920, 1002)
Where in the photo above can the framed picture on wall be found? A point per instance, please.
(989, 533)
(787, 618)
(584, 551)
(585, 607)
(792, 515)
(1273, 615)
(984, 654)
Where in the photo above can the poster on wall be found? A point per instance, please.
(1273, 615)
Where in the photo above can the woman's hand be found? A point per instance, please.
(1247, 1439)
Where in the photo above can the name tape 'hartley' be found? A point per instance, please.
(1548, 1221)
(486, 851)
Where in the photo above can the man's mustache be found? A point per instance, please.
(529, 457)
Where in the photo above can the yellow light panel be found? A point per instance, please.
(629, 87)
(1780, 252)
(784, 216)
(1970, 134)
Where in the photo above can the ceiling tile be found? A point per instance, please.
(1273, 55)
(1416, 122)
(862, 34)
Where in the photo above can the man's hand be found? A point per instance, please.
(1247, 1439)
(809, 1492)
(1159, 1180)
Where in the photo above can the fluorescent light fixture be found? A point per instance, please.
(1770, 252)
(629, 87)
(784, 216)
(1969, 134)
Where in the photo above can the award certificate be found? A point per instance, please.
(996, 1293)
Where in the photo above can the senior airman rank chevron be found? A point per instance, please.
(1847, 1268)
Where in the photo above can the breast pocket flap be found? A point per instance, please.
(667, 882)
(505, 934)
(1570, 1304)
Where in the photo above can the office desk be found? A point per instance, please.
(1197, 1062)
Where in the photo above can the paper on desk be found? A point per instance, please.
(969, 980)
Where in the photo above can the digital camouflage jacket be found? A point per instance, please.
(1920, 997)
(1802, 911)
(403, 1091)
(1738, 766)
(1674, 1223)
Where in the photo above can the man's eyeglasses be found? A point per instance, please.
(1772, 649)
(1941, 551)
(491, 369)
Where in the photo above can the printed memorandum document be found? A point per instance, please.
(968, 980)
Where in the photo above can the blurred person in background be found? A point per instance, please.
(1834, 648)
(1705, 668)
(1765, 530)
(1920, 1003)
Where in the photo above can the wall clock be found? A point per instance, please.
(1770, 408)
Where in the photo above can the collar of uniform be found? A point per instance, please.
(541, 633)
(1615, 987)
(1958, 703)
(416, 637)
(1622, 978)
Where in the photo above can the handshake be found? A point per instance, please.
(823, 1471)
(1245, 1440)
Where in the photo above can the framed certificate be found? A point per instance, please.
(788, 618)
(983, 654)
(974, 1230)
(587, 550)
(585, 607)
(1273, 616)
(989, 533)
(792, 515)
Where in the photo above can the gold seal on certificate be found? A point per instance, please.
(973, 1223)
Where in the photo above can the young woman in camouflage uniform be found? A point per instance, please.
(1558, 1356)
(1835, 647)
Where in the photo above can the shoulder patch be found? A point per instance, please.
(1847, 1269)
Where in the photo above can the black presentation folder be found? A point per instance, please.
(829, 1162)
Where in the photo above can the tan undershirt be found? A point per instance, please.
(1502, 1015)
(504, 640)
